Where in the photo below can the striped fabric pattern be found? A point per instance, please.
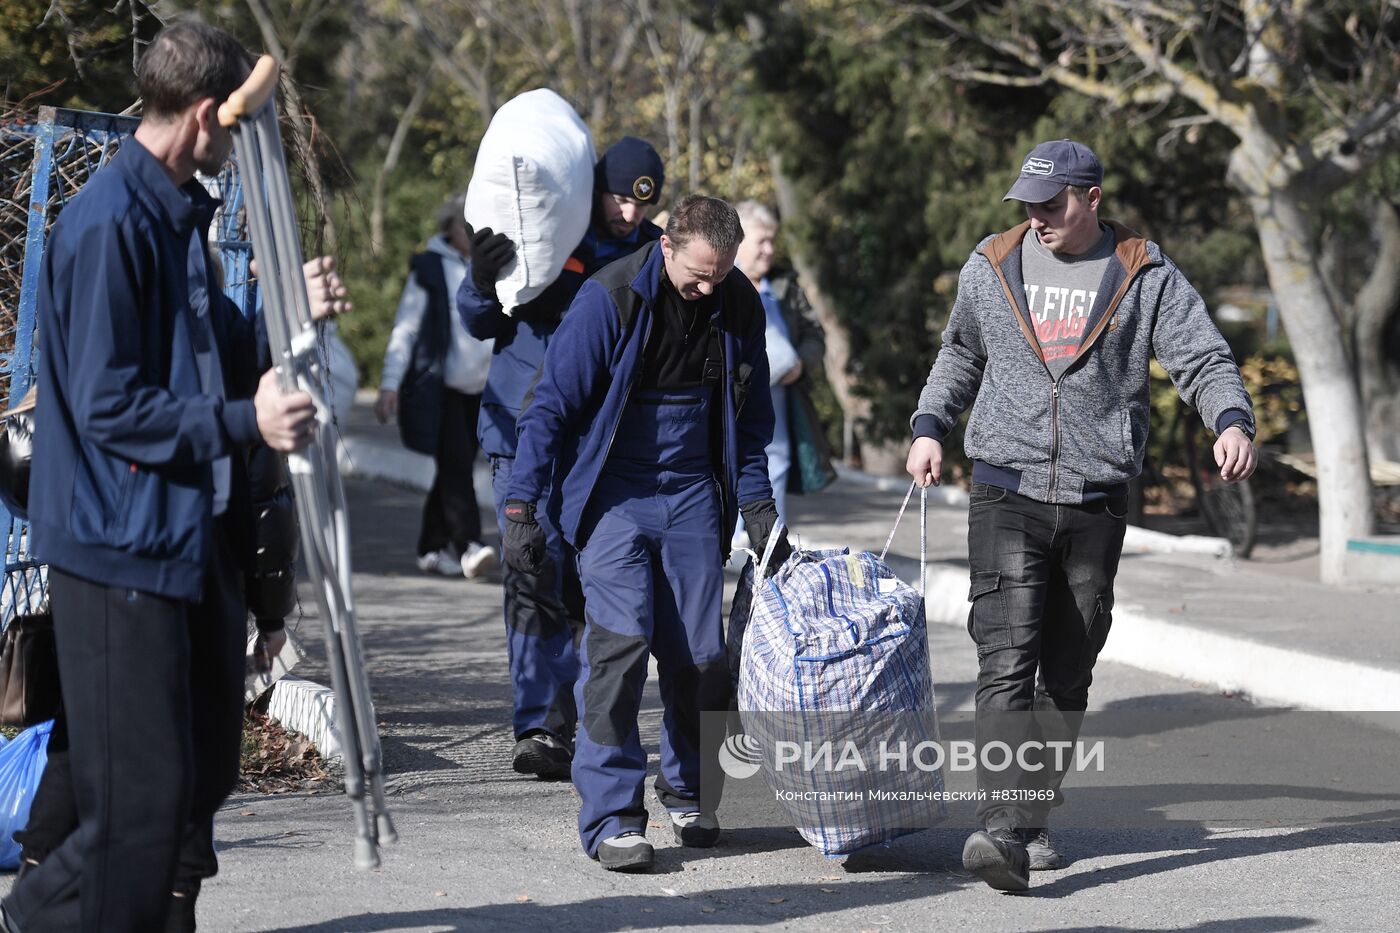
(834, 632)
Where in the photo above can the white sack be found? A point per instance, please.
(533, 181)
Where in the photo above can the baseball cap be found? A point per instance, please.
(630, 167)
(1051, 166)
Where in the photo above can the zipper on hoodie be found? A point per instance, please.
(1054, 434)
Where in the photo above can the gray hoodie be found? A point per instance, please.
(1084, 434)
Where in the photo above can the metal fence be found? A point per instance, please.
(44, 163)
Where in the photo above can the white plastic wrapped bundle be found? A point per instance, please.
(533, 181)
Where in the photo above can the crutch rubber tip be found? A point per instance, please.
(385, 825)
(366, 854)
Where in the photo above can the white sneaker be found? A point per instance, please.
(695, 829)
(478, 559)
(443, 562)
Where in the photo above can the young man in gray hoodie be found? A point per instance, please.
(1049, 341)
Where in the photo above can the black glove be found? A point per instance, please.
(524, 538)
(760, 518)
(490, 254)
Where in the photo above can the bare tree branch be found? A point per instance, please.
(1196, 89)
(1046, 70)
(391, 158)
(1340, 153)
(474, 79)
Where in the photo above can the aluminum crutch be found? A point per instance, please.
(251, 117)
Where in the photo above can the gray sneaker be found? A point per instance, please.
(629, 852)
(543, 755)
(694, 829)
(1041, 855)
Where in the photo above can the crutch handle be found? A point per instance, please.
(253, 93)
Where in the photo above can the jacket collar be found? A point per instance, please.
(186, 206)
(1130, 246)
(1131, 254)
(647, 281)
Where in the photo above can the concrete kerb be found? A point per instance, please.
(1263, 673)
(1136, 541)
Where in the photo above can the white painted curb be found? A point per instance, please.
(938, 495)
(1265, 674)
(309, 708)
(1142, 541)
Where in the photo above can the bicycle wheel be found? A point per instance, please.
(1228, 507)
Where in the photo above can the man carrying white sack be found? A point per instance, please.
(543, 611)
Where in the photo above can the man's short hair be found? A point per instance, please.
(756, 213)
(453, 209)
(1080, 192)
(187, 62)
(711, 219)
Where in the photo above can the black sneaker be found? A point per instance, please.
(629, 852)
(180, 918)
(543, 755)
(998, 857)
(695, 829)
(1041, 855)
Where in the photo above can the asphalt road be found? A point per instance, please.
(1236, 820)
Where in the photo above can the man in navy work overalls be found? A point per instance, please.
(650, 417)
(543, 609)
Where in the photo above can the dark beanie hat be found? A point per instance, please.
(631, 168)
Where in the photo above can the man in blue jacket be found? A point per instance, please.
(544, 610)
(150, 392)
(649, 421)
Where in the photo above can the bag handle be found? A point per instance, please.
(923, 531)
(758, 573)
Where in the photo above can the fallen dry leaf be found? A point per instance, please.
(827, 890)
(707, 910)
(248, 813)
(522, 898)
(439, 894)
(777, 900)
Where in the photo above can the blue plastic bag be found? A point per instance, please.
(22, 761)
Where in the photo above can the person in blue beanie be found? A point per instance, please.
(544, 610)
(643, 441)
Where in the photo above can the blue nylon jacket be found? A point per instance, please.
(521, 338)
(125, 437)
(570, 424)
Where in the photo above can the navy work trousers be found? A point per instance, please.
(544, 616)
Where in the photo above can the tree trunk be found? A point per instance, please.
(391, 160)
(838, 342)
(1329, 391)
(1376, 303)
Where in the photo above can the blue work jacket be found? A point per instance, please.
(569, 425)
